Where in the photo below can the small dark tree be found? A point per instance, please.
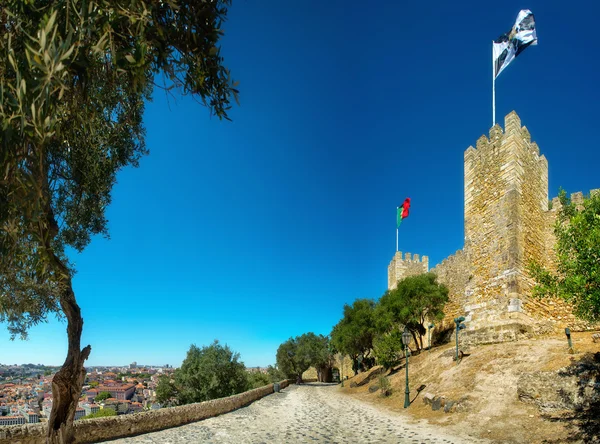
(258, 379)
(319, 354)
(388, 349)
(275, 375)
(415, 300)
(74, 76)
(296, 355)
(292, 359)
(353, 334)
(166, 391)
(577, 276)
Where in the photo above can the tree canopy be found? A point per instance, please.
(102, 396)
(353, 334)
(74, 77)
(577, 275)
(415, 300)
(296, 355)
(206, 373)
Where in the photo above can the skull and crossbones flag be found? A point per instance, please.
(510, 45)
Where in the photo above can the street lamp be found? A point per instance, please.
(459, 326)
(432, 325)
(406, 341)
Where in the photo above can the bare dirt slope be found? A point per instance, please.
(531, 391)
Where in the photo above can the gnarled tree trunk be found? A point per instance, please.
(67, 383)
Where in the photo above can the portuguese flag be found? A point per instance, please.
(402, 212)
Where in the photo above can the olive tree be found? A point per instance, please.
(74, 77)
(577, 275)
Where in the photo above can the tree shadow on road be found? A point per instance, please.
(583, 418)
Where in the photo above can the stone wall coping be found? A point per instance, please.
(113, 427)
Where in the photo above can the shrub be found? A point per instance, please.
(385, 386)
(258, 379)
(100, 414)
(388, 349)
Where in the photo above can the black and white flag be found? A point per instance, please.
(510, 45)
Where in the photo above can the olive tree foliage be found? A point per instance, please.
(296, 355)
(74, 76)
(415, 300)
(353, 334)
(577, 275)
(387, 348)
(206, 373)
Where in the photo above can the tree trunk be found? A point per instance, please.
(67, 383)
(415, 338)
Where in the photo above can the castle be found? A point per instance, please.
(507, 223)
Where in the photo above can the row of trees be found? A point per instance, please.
(210, 372)
(369, 332)
(296, 355)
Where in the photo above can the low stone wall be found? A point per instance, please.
(112, 427)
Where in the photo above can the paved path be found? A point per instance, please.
(310, 413)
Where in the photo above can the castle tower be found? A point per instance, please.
(409, 266)
(506, 201)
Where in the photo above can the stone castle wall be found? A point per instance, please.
(507, 225)
(455, 272)
(112, 427)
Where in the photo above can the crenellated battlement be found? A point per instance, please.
(408, 266)
(576, 198)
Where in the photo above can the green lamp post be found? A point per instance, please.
(459, 326)
(406, 341)
(432, 325)
(568, 334)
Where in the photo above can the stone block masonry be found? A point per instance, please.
(409, 266)
(112, 427)
(507, 225)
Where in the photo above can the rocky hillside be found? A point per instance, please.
(530, 391)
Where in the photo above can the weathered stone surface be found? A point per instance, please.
(428, 398)
(436, 404)
(373, 388)
(102, 429)
(449, 407)
(409, 266)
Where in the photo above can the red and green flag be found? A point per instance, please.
(402, 212)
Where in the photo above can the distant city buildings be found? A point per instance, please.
(11, 420)
(26, 391)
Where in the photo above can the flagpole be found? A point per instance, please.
(396, 239)
(493, 88)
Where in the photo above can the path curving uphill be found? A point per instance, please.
(310, 413)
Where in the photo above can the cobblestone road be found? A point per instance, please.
(310, 413)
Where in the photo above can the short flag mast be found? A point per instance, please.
(401, 214)
(508, 46)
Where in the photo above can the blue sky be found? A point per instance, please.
(260, 229)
